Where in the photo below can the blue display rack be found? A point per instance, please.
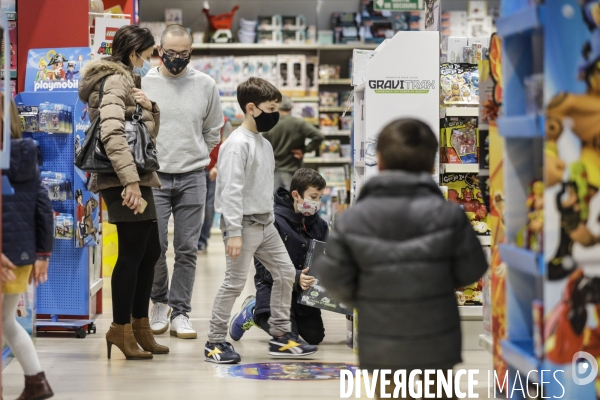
(69, 300)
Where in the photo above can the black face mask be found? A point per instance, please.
(266, 121)
(175, 65)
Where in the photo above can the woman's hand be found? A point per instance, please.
(212, 175)
(133, 197)
(141, 99)
(7, 268)
(39, 273)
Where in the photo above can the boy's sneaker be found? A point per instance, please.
(243, 320)
(182, 328)
(290, 345)
(159, 318)
(221, 353)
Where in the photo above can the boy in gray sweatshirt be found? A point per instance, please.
(244, 197)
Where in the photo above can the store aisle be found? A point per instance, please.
(79, 369)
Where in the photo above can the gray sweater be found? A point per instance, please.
(190, 120)
(245, 180)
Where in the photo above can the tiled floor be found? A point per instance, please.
(78, 368)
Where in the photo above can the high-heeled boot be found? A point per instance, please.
(145, 338)
(36, 388)
(122, 337)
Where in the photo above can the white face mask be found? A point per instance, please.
(308, 207)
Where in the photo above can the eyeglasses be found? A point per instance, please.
(174, 54)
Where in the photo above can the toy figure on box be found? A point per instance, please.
(531, 235)
(86, 225)
(57, 62)
(41, 75)
(70, 74)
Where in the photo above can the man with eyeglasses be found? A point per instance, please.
(190, 121)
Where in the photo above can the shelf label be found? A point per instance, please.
(399, 5)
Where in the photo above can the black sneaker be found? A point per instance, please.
(221, 353)
(290, 345)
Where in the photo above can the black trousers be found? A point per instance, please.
(139, 250)
(309, 327)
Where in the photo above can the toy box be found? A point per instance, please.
(29, 118)
(329, 99)
(463, 189)
(329, 122)
(12, 37)
(63, 226)
(294, 23)
(294, 37)
(329, 71)
(346, 123)
(55, 118)
(292, 74)
(460, 141)
(470, 295)
(459, 84)
(270, 23)
(233, 111)
(173, 16)
(307, 111)
(333, 174)
(57, 184)
(312, 76)
(269, 37)
(330, 149)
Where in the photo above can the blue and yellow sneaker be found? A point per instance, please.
(243, 320)
(290, 345)
(221, 353)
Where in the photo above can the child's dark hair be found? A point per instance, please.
(130, 38)
(407, 144)
(305, 178)
(256, 91)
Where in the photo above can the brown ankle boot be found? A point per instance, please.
(36, 388)
(122, 337)
(145, 338)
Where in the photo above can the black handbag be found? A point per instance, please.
(93, 157)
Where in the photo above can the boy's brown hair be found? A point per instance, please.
(305, 178)
(256, 91)
(407, 144)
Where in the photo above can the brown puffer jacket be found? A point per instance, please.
(118, 103)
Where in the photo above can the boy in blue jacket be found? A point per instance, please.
(297, 222)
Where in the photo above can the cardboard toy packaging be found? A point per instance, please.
(460, 144)
(312, 76)
(463, 189)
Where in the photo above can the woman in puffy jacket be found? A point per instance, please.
(139, 246)
(27, 243)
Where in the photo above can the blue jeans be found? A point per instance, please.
(183, 195)
(209, 212)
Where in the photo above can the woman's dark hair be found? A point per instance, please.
(130, 38)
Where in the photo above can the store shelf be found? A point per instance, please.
(306, 99)
(462, 112)
(521, 127)
(259, 47)
(13, 74)
(485, 240)
(347, 81)
(338, 133)
(460, 168)
(519, 22)
(520, 259)
(319, 160)
(519, 355)
(486, 342)
(471, 312)
(334, 109)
